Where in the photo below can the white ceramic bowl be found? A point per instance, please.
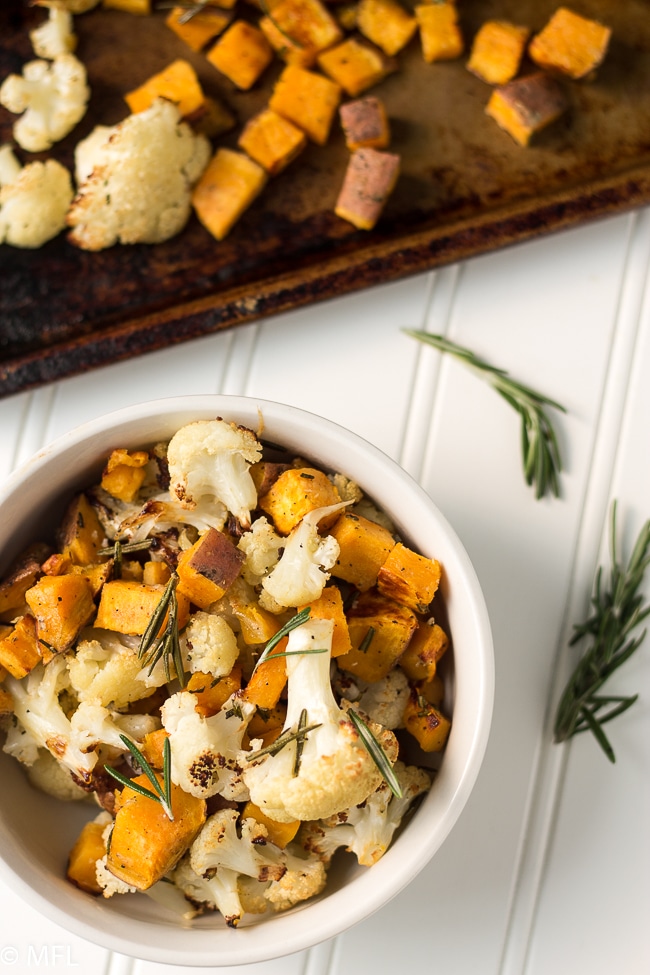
(36, 832)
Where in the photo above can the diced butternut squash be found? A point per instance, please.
(380, 630)
(364, 546)
(420, 659)
(140, 7)
(145, 843)
(278, 833)
(265, 474)
(124, 473)
(299, 29)
(153, 747)
(21, 577)
(365, 124)
(156, 574)
(81, 534)
(226, 189)
(96, 574)
(268, 679)
(61, 606)
(432, 690)
(426, 723)
(329, 606)
(267, 720)
(369, 180)
(178, 83)
(355, 65)
(242, 54)
(208, 568)
(570, 44)
(211, 693)
(307, 99)
(272, 141)
(87, 850)
(296, 492)
(440, 34)
(527, 105)
(257, 624)
(497, 51)
(386, 23)
(409, 578)
(126, 606)
(202, 27)
(19, 647)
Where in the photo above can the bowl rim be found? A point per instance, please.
(280, 935)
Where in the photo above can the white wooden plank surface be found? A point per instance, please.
(548, 868)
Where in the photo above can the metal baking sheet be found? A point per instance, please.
(465, 188)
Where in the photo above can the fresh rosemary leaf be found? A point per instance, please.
(376, 752)
(123, 547)
(284, 739)
(300, 742)
(290, 625)
(367, 640)
(618, 609)
(165, 646)
(161, 794)
(539, 446)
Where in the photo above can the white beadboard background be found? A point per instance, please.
(548, 869)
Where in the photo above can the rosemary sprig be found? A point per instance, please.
(300, 742)
(617, 610)
(539, 446)
(162, 793)
(192, 7)
(376, 752)
(123, 548)
(155, 645)
(290, 625)
(284, 739)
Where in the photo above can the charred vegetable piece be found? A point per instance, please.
(497, 51)
(208, 568)
(242, 54)
(61, 606)
(81, 534)
(211, 693)
(20, 650)
(226, 189)
(440, 34)
(527, 105)
(380, 630)
(409, 578)
(369, 180)
(295, 493)
(87, 850)
(364, 546)
(420, 659)
(386, 23)
(355, 65)
(268, 680)
(272, 141)
(126, 606)
(124, 474)
(570, 44)
(329, 606)
(365, 124)
(177, 83)
(299, 29)
(204, 26)
(426, 723)
(21, 577)
(308, 100)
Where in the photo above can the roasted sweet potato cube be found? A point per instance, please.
(386, 23)
(81, 535)
(204, 26)
(427, 645)
(426, 723)
(153, 747)
(61, 606)
(355, 65)
(178, 83)
(308, 100)
(329, 606)
(266, 720)
(365, 124)
(226, 189)
(242, 53)
(257, 624)
(440, 34)
(145, 843)
(278, 833)
(369, 180)
(409, 578)
(208, 568)
(380, 630)
(156, 574)
(527, 105)
(299, 29)
(19, 647)
(497, 51)
(126, 606)
(124, 473)
(211, 693)
(364, 547)
(21, 576)
(265, 474)
(432, 690)
(570, 44)
(268, 679)
(295, 493)
(89, 847)
(272, 141)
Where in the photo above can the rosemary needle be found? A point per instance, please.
(162, 793)
(539, 446)
(376, 752)
(155, 645)
(618, 609)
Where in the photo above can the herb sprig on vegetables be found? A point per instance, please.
(155, 645)
(162, 793)
(376, 752)
(618, 609)
(285, 630)
(539, 446)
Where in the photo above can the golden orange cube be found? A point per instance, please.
(89, 847)
(295, 493)
(440, 34)
(329, 606)
(178, 83)
(208, 569)
(19, 647)
(279, 833)
(525, 106)
(355, 65)
(242, 54)
(299, 29)
(202, 27)
(228, 186)
(497, 51)
(426, 723)
(386, 23)
(380, 630)
(363, 548)
(570, 44)
(81, 535)
(211, 693)
(126, 606)
(369, 180)
(124, 474)
(140, 7)
(272, 141)
(307, 99)
(409, 578)
(427, 645)
(365, 124)
(61, 606)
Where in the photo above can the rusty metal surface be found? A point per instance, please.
(465, 188)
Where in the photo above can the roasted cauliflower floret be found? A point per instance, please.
(34, 200)
(141, 175)
(55, 35)
(105, 671)
(50, 97)
(211, 646)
